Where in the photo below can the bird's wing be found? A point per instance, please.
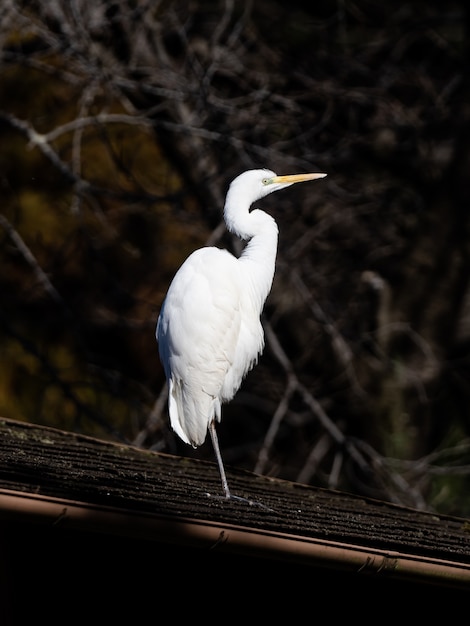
(197, 332)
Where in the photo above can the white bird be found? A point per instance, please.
(209, 331)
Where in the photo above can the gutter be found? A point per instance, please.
(359, 560)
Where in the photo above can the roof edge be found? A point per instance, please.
(71, 514)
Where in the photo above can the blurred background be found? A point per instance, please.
(122, 122)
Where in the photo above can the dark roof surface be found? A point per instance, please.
(78, 481)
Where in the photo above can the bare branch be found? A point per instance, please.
(41, 277)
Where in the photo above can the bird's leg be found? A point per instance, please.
(228, 495)
(215, 444)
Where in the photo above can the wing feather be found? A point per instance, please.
(198, 331)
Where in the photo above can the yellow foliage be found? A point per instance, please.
(43, 219)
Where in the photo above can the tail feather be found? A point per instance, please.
(190, 417)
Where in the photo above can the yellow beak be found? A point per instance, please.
(296, 178)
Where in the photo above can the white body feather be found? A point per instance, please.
(209, 342)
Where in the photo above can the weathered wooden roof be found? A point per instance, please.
(72, 481)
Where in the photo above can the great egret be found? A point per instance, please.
(209, 331)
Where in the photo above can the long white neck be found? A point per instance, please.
(258, 259)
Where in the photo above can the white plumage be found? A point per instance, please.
(209, 331)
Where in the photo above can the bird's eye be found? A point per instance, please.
(265, 181)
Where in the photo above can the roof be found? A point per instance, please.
(69, 481)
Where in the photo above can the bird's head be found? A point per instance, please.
(255, 184)
(250, 187)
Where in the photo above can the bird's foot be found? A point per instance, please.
(230, 496)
